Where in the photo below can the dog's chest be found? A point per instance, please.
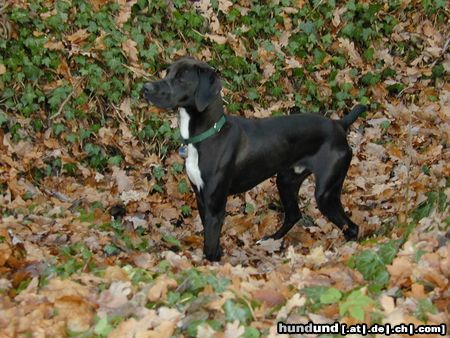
(192, 168)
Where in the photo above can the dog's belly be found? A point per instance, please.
(244, 184)
(247, 177)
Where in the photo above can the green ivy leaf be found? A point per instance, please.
(235, 311)
(3, 118)
(103, 328)
(331, 296)
(355, 305)
(171, 240)
(251, 332)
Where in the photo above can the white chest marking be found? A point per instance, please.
(192, 169)
(298, 169)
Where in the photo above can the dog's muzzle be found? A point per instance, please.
(148, 90)
(158, 93)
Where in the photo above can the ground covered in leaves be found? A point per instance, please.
(99, 232)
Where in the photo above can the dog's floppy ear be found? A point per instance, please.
(208, 87)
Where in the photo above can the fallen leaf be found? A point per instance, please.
(133, 328)
(164, 330)
(78, 314)
(125, 11)
(234, 330)
(125, 107)
(400, 271)
(349, 47)
(129, 47)
(337, 13)
(217, 38)
(115, 297)
(270, 245)
(224, 5)
(158, 290)
(123, 181)
(316, 256)
(205, 331)
(53, 45)
(269, 296)
(114, 273)
(295, 301)
(418, 291)
(78, 37)
(387, 303)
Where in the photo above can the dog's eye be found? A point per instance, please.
(180, 78)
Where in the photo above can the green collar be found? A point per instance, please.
(208, 133)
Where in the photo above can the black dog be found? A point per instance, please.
(229, 155)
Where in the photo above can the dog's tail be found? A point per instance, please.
(348, 119)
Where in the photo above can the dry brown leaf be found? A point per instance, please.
(234, 330)
(64, 69)
(349, 48)
(159, 289)
(132, 328)
(78, 314)
(418, 291)
(54, 45)
(78, 37)
(387, 303)
(400, 271)
(115, 297)
(292, 63)
(164, 330)
(166, 211)
(224, 5)
(316, 256)
(295, 301)
(116, 273)
(217, 38)
(268, 70)
(99, 43)
(270, 245)
(125, 107)
(59, 289)
(98, 4)
(129, 47)
(177, 261)
(125, 11)
(123, 181)
(435, 278)
(5, 253)
(337, 15)
(269, 296)
(205, 331)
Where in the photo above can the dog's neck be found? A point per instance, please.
(199, 122)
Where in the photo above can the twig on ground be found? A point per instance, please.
(61, 107)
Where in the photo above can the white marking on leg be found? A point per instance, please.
(298, 169)
(192, 169)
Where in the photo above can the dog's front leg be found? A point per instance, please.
(211, 206)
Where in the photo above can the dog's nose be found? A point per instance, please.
(148, 88)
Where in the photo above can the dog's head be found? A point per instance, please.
(188, 83)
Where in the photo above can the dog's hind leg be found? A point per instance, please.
(288, 184)
(329, 183)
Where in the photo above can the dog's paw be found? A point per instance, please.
(214, 256)
(351, 234)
